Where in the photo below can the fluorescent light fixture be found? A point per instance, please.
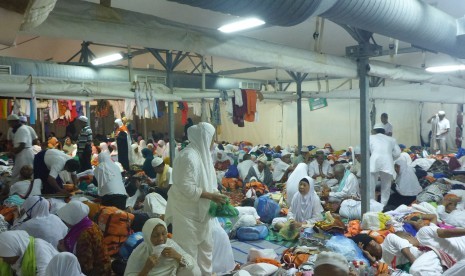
(107, 59)
(241, 25)
(446, 68)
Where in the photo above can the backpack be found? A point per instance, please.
(267, 209)
(116, 227)
(130, 244)
(293, 259)
(113, 221)
(252, 233)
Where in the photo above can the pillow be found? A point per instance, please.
(260, 269)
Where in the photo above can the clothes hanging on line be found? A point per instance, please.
(251, 96)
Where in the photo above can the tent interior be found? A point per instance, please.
(327, 69)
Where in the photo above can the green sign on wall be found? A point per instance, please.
(317, 103)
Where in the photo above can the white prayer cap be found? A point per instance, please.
(83, 119)
(156, 161)
(262, 158)
(304, 149)
(441, 112)
(12, 117)
(357, 150)
(332, 258)
(119, 122)
(23, 119)
(378, 126)
(284, 152)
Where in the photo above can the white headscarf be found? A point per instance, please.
(64, 263)
(106, 173)
(302, 205)
(36, 206)
(73, 212)
(406, 181)
(139, 256)
(104, 147)
(224, 156)
(137, 158)
(13, 243)
(292, 185)
(119, 122)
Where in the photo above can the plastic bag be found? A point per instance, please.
(223, 210)
(347, 248)
(289, 232)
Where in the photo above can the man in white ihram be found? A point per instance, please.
(384, 150)
(442, 129)
(194, 186)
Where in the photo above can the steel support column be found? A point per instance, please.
(365, 129)
(169, 80)
(299, 78)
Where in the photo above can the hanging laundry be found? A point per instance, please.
(184, 111)
(149, 104)
(251, 97)
(216, 113)
(224, 95)
(161, 108)
(197, 109)
(54, 113)
(62, 107)
(153, 102)
(3, 108)
(70, 104)
(79, 108)
(74, 113)
(103, 109)
(239, 111)
(239, 97)
(260, 96)
(129, 108)
(229, 108)
(10, 106)
(139, 110)
(33, 116)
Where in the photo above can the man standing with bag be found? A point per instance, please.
(194, 186)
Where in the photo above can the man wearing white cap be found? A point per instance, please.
(440, 128)
(282, 167)
(260, 171)
(320, 167)
(302, 157)
(23, 120)
(384, 150)
(22, 145)
(331, 263)
(164, 178)
(244, 166)
(84, 151)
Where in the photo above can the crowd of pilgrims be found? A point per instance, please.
(51, 189)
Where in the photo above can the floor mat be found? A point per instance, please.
(241, 248)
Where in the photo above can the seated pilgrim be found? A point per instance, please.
(320, 169)
(282, 167)
(305, 208)
(159, 255)
(348, 185)
(260, 171)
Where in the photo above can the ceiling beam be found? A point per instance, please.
(18, 6)
(241, 71)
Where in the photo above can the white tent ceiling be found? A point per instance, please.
(334, 38)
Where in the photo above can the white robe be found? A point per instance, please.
(26, 156)
(314, 168)
(350, 188)
(244, 168)
(292, 185)
(384, 150)
(64, 263)
(223, 258)
(193, 173)
(407, 182)
(108, 174)
(279, 169)
(306, 208)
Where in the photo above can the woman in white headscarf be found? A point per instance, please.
(221, 160)
(292, 184)
(158, 255)
(26, 255)
(407, 185)
(110, 182)
(161, 148)
(137, 158)
(40, 223)
(194, 186)
(305, 208)
(84, 239)
(64, 264)
(104, 147)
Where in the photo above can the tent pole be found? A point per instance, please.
(365, 128)
(299, 111)
(42, 124)
(169, 79)
(88, 112)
